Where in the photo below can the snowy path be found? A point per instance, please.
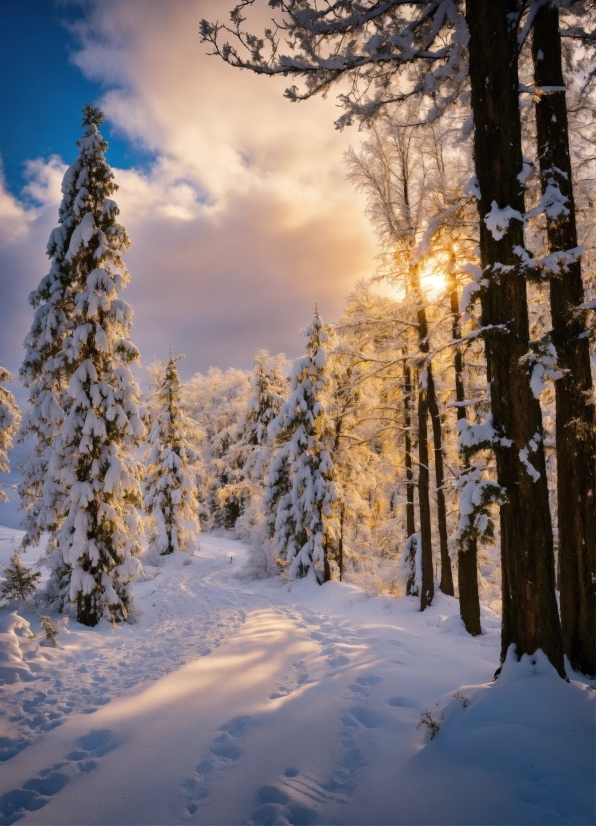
(251, 702)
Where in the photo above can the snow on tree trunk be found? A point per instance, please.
(575, 410)
(305, 528)
(82, 482)
(10, 417)
(170, 490)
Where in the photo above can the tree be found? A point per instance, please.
(575, 408)
(388, 51)
(82, 482)
(217, 403)
(247, 456)
(305, 530)
(10, 418)
(19, 582)
(170, 495)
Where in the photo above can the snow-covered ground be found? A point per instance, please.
(238, 702)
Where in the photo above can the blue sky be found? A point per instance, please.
(42, 92)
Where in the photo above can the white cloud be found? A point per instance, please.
(245, 218)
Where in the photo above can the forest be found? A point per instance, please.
(433, 450)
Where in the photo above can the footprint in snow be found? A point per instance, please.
(365, 684)
(224, 751)
(37, 791)
(343, 780)
(275, 805)
(293, 681)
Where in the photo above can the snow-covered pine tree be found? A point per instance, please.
(19, 582)
(244, 452)
(306, 526)
(263, 408)
(170, 494)
(255, 450)
(10, 417)
(81, 483)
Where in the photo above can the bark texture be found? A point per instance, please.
(428, 587)
(467, 558)
(575, 424)
(530, 614)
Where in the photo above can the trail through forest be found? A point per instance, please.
(233, 701)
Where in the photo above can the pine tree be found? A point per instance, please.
(19, 582)
(263, 407)
(10, 417)
(305, 528)
(170, 494)
(81, 482)
(255, 449)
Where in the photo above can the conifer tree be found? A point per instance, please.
(10, 417)
(170, 491)
(264, 406)
(19, 582)
(81, 482)
(305, 528)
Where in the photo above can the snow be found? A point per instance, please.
(233, 701)
(497, 220)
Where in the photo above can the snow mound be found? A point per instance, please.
(16, 646)
(518, 750)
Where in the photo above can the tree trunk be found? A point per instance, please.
(340, 550)
(467, 558)
(446, 583)
(428, 586)
(575, 425)
(431, 406)
(530, 614)
(410, 486)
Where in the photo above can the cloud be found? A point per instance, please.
(243, 220)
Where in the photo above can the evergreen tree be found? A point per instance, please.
(81, 482)
(263, 407)
(19, 582)
(10, 417)
(170, 491)
(305, 528)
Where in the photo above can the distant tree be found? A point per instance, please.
(305, 527)
(10, 418)
(244, 463)
(217, 403)
(81, 483)
(19, 581)
(170, 495)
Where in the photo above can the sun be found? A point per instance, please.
(432, 277)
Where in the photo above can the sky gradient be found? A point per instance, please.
(235, 200)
